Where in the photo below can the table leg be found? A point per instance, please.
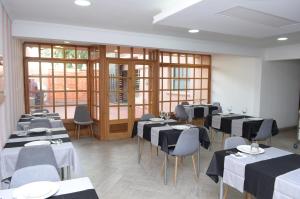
(139, 150)
(68, 172)
(62, 172)
(198, 165)
(166, 166)
(221, 192)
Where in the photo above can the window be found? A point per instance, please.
(183, 77)
(56, 77)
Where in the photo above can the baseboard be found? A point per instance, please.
(288, 128)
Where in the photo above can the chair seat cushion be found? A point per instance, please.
(84, 123)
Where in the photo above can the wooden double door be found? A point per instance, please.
(130, 95)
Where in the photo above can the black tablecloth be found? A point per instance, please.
(86, 194)
(216, 166)
(28, 118)
(199, 111)
(250, 128)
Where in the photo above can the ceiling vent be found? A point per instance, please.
(255, 16)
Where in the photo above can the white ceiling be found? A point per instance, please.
(137, 16)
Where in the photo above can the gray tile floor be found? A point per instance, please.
(112, 166)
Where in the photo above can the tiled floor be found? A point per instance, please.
(112, 166)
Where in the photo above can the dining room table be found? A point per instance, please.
(272, 173)
(54, 118)
(164, 135)
(78, 188)
(237, 125)
(64, 151)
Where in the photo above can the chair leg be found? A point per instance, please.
(92, 131)
(75, 132)
(156, 151)
(175, 170)
(162, 168)
(248, 195)
(226, 191)
(78, 132)
(195, 168)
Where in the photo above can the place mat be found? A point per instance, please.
(86, 194)
(12, 136)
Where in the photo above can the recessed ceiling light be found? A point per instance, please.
(67, 42)
(282, 38)
(82, 2)
(193, 31)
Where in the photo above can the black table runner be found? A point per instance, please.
(21, 144)
(86, 194)
(216, 166)
(260, 176)
(12, 136)
(199, 111)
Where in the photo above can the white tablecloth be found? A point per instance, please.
(140, 126)
(234, 167)
(65, 187)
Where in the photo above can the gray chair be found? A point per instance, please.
(185, 103)
(218, 104)
(82, 118)
(36, 155)
(146, 117)
(233, 142)
(33, 174)
(214, 112)
(40, 123)
(180, 113)
(187, 144)
(265, 130)
(40, 111)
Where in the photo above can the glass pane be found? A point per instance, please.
(146, 98)
(147, 85)
(70, 112)
(81, 70)
(82, 53)
(166, 72)
(138, 53)
(50, 109)
(173, 105)
(166, 107)
(197, 83)
(138, 111)
(94, 53)
(197, 95)
(190, 72)
(174, 95)
(204, 83)
(59, 84)
(123, 98)
(46, 51)
(166, 95)
(123, 112)
(182, 59)
(197, 59)
(166, 58)
(113, 113)
(204, 94)
(190, 59)
(70, 53)
(182, 95)
(59, 98)
(70, 69)
(58, 52)
(112, 51)
(113, 98)
(139, 70)
(205, 73)
(189, 94)
(33, 68)
(46, 68)
(174, 58)
(139, 98)
(58, 69)
(33, 88)
(71, 98)
(125, 52)
(197, 72)
(146, 109)
(61, 111)
(71, 84)
(32, 51)
(206, 60)
(82, 83)
(47, 84)
(48, 98)
(82, 97)
(190, 83)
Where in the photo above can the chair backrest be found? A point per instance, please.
(33, 174)
(233, 142)
(82, 114)
(40, 111)
(40, 123)
(265, 130)
(36, 155)
(147, 116)
(218, 104)
(188, 142)
(180, 112)
(185, 103)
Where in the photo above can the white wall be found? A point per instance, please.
(287, 52)
(280, 91)
(236, 82)
(13, 105)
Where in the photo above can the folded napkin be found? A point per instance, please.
(216, 121)
(237, 127)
